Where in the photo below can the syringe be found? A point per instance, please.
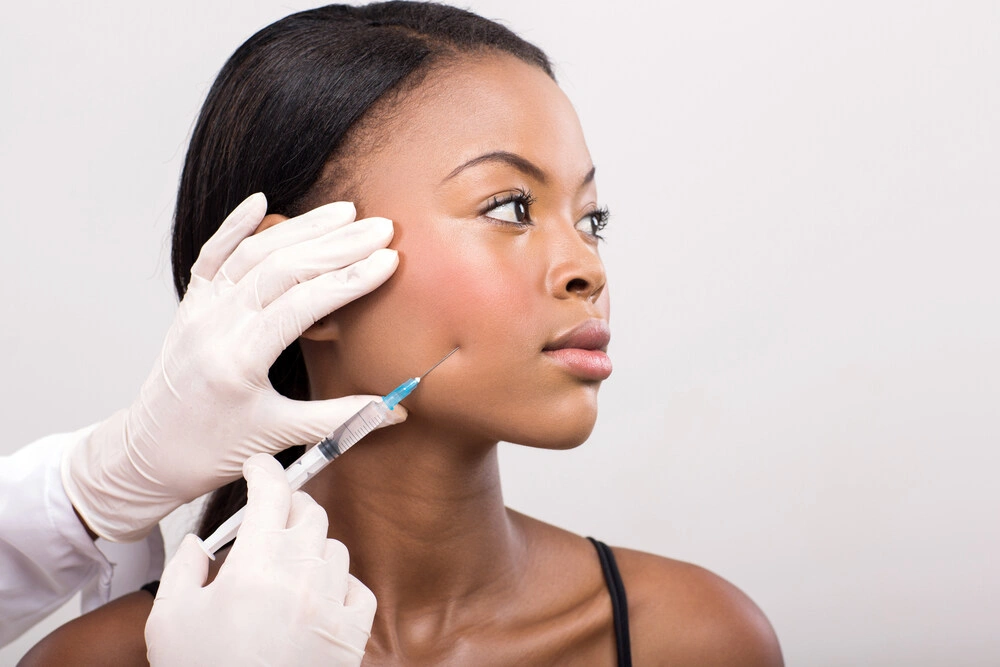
(364, 421)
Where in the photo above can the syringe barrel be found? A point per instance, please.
(305, 467)
(224, 534)
(364, 421)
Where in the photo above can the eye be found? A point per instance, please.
(594, 222)
(512, 208)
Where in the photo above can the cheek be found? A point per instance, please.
(472, 289)
(480, 290)
(455, 286)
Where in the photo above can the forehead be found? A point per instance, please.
(478, 105)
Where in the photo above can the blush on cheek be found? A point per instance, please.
(466, 292)
(446, 289)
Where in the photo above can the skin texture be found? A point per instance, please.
(459, 578)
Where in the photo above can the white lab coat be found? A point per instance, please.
(46, 555)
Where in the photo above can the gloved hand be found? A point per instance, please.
(283, 596)
(207, 405)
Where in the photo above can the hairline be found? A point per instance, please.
(342, 174)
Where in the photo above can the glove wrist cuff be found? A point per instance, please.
(109, 494)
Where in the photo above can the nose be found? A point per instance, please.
(576, 271)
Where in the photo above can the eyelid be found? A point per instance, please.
(508, 196)
(520, 195)
(602, 215)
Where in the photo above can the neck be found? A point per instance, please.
(423, 517)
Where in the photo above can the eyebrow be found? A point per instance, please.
(523, 165)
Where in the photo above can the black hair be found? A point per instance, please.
(282, 106)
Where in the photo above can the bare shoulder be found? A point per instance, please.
(681, 613)
(109, 635)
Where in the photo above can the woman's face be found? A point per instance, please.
(485, 173)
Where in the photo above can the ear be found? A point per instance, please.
(270, 220)
(326, 329)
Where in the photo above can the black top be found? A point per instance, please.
(619, 605)
(152, 588)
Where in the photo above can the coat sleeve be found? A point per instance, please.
(46, 555)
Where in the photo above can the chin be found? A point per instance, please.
(559, 431)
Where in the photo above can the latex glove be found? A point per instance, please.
(207, 405)
(283, 596)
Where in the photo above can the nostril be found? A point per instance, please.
(578, 286)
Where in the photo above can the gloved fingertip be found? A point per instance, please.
(250, 210)
(256, 199)
(258, 462)
(201, 543)
(344, 210)
(396, 415)
(186, 569)
(360, 597)
(384, 258)
(249, 469)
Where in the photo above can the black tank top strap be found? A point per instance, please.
(619, 604)
(152, 588)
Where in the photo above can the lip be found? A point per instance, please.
(592, 334)
(583, 350)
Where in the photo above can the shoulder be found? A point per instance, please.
(679, 612)
(109, 635)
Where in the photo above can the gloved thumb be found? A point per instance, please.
(354, 629)
(360, 598)
(186, 570)
(269, 497)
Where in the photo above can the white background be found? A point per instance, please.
(802, 256)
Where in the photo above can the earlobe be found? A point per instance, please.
(270, 220)
(326, 329)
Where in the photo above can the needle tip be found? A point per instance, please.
(421, 377)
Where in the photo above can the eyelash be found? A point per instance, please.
(599, 216)
(522, 197)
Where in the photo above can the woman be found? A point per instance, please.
(469, 146)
